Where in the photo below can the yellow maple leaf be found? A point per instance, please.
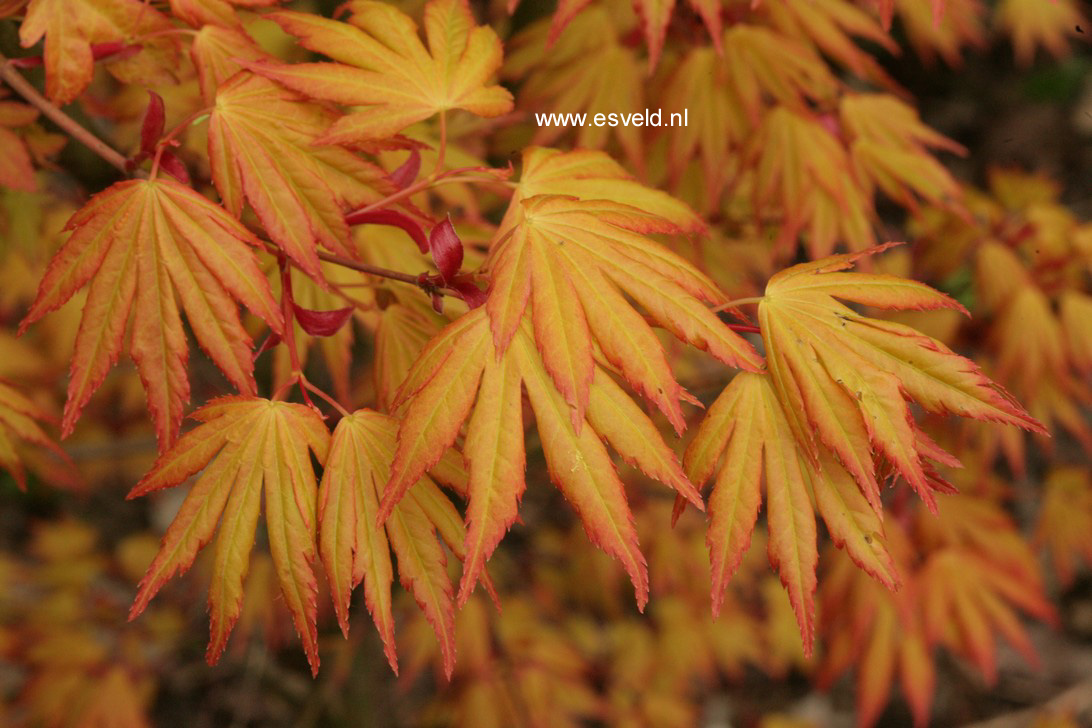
(746, 438)
(1034, 23)
(381, 64)
(243, 447)
(846, 380)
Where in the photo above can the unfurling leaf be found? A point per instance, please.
(407, 171)
(152, 128)
(394, 218)
(321, 323)
(143, 245)
(446, 249)
(245, 447)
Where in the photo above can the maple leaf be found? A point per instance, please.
(962, 23)
(382, 64)
(144, 245)
(765, 64)
(216, 53)
(589, 69)
(831, 26)
(698, 89)
(655, 16)
(402, 333)
(1032, 24)
(199, 13)
(19, 419)
(18, 170)
(261, 148)
(969, 600)
(1076, 320)
(354, 550)
(1031, 352)
(570, 258)
(1064, 526)
(803, 171)
(845, 380)
(246, 446)
(877, 632)
(461, 375)
(978, 571)
(890, 146)
(748, 427)
(71, 27)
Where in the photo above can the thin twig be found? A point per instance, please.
(394, 275)
(70, 126)
(1076, 703)
(308, 386)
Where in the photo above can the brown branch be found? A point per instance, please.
(394, 275)
(69, 125)
(1076, 703)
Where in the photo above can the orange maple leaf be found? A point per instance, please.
(1033, 23)
(877, 632)
(747, 432)
(70, 27)
(1064, 526)
(17, 171)
(589, 69)
(569, 256)
(19, 418)
(353, 550)
(461, 375)
(141, 244)
(217, 51)
(245, 446)
(261, 148)
(846, 380)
